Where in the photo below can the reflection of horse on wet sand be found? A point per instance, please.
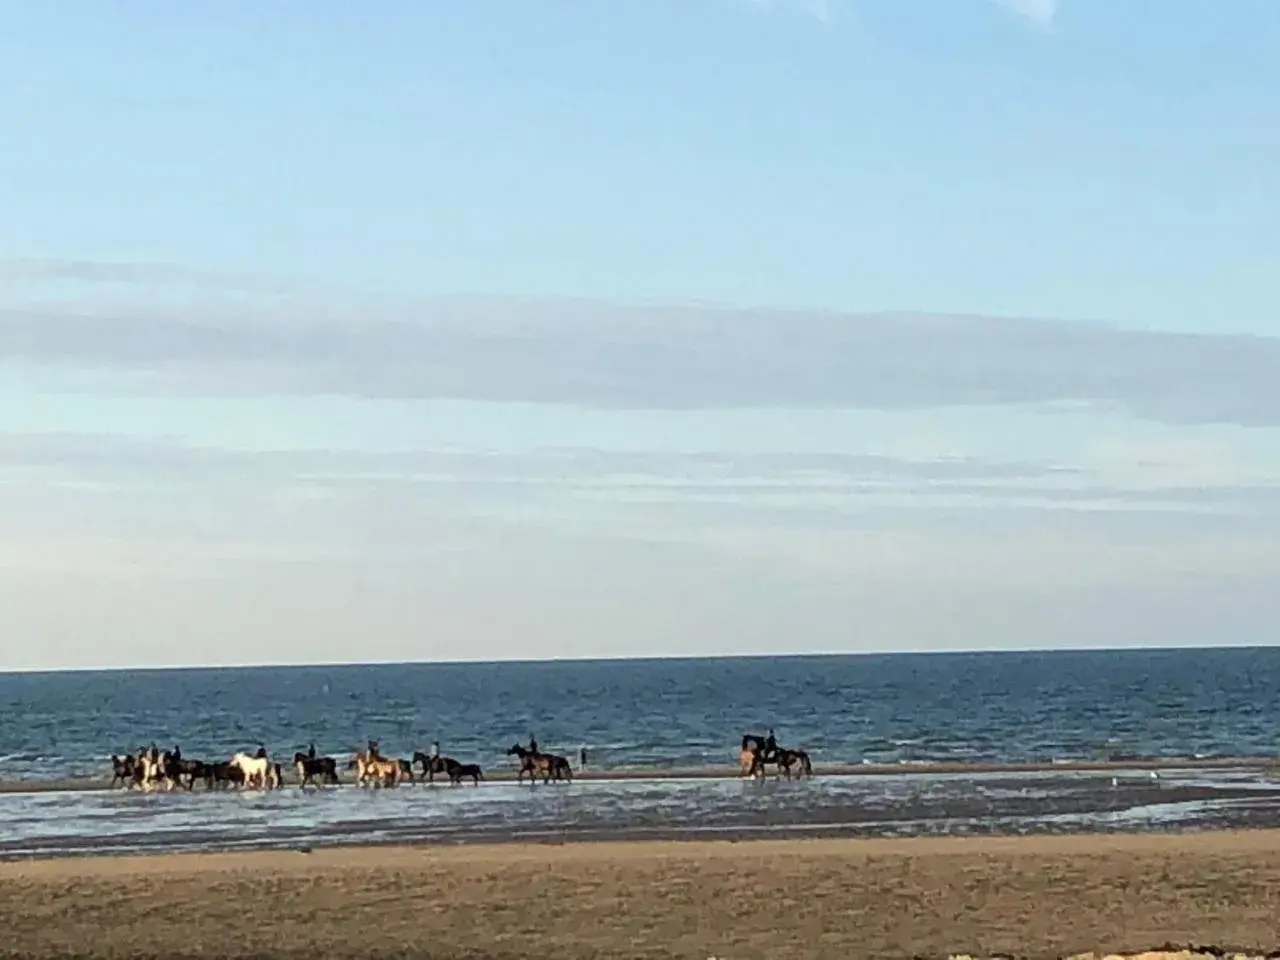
(546, 765)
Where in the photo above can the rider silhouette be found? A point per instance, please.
(311, 751)
(533, 744)
(770, 745)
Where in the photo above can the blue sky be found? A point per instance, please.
(679, 326)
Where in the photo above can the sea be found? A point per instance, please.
(667, 717)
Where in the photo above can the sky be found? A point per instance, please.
(439, 331)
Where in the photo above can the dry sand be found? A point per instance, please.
(1045, 897)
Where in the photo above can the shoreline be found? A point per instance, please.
(1040, 898)
(728, 772)
(391, 854)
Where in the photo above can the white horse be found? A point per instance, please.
(154, 775)
(258, 771)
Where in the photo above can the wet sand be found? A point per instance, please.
(1038, 897)
(66, 784)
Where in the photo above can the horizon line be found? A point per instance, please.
(657, 658)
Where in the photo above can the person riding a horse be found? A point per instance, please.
(533, 744)
(311, 751)
(770, 747)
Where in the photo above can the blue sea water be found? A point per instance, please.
(989, 707)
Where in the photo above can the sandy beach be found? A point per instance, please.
(1041, 897)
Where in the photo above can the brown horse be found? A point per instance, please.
(547, 765)
(755, 754)
(372, 769)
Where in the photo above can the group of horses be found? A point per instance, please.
(154, 769)
(374, 770)
(758, 751)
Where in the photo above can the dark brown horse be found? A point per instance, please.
(182, 771)
(223, 775)
(432, 764)
(547, 765)
(315, 770)
(786, 759)
(460, 771)
(125, 770)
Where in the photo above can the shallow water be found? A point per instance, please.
(905, 805)
(906, 709)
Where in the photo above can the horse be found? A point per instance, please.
(547, 764)
(406, 770)
(154, 769)
(175, 768)
(371, 768)
(310, 767)
(460, 771)
(752, 749)
(125, 770)
(786, 759)
(756, 752)
(223, 775)
(258, 771)
(432, 764)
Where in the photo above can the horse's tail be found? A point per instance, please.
(479, 774)
(808, 767)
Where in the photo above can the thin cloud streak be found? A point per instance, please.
(1041, 13)
(654, 356)
(58, 474)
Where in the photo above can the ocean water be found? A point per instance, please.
(666, 714)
